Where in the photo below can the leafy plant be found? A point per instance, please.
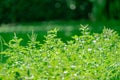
(86, 57)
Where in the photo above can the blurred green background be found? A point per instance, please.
(39, 10)
(23, 16)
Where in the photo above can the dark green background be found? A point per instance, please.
(40, 10)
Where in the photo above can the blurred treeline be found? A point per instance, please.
(39, 10)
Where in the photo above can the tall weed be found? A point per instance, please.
(86, 57)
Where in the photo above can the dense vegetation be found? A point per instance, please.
(37, 10)
(91, 56)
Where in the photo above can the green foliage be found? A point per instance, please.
(114, 8)
(105, 9)
(37, 10)
(86, 57)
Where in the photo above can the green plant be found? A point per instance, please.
(86, 57)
